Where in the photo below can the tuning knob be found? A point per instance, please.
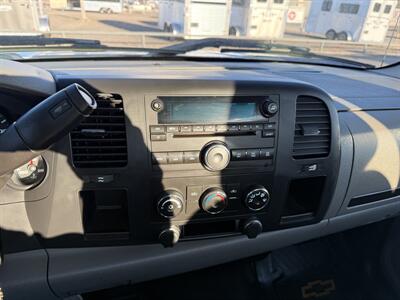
(252, 228)
(214, 201)
(269, 108)
(170, 204)
(215, 156)
(257, 198)
(169, 236)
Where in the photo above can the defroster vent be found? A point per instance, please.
(312, 138)
(100, 140)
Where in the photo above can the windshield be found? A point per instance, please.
(359, 31)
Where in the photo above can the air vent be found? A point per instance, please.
(312, 136)
(100, 140)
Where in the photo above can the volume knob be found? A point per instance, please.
(216, 156)
(269, 108)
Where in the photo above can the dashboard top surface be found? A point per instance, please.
(358, 88)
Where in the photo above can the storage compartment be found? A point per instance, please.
(303, 198)
(105, 213)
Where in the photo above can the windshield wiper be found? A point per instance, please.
(193, 45)
(41, 41)
(253, 46)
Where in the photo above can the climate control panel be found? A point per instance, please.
(209, 200)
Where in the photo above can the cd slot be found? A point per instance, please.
(206, 134)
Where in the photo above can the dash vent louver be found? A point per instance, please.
(100, 140)
(312, 138)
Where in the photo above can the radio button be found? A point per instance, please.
(186, 128)
(233, 127)
(268, 133)
(193, 193)
(209, 128)
(258, 126)
(233, 190)
(157, 129)
(175, 157)
(252, 154)
(198, 128)
(222, 128)
(269, 126)
(158, 137)
(266, 153)
(159, 158)
(172, 129)
(238, 154)
(191, 157)
(246, 127)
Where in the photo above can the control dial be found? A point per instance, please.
(169, 236)
(170, 204)
(215, 156)
(257, 198)
(29, 175)
(214, 201)
(252, 228)
(269, 108)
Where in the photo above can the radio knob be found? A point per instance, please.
(170, 204)
(269, 108)
(215, 156)
(214, 201)
(257, 198)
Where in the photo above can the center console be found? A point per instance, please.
(216, 157)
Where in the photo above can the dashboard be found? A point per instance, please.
(184, 165)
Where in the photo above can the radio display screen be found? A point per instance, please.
(179, 110)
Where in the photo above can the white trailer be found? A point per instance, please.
(195, 17)
(101, 6)
(351, 20)
(259, 18)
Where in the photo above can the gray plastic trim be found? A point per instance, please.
(376, 166)
(346, 165)
(23, 77)
(80, 270)
(364, 217)
(23, 276)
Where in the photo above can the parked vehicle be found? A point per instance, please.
(101, 6)
(193, 17)
(258, 18)
(351, 20)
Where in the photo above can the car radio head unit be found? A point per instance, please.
(212, 132)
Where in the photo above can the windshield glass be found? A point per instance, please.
(361, 31)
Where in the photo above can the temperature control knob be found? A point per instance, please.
(170, 204)
(257, 198)
(214, 201)
(215, 156)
